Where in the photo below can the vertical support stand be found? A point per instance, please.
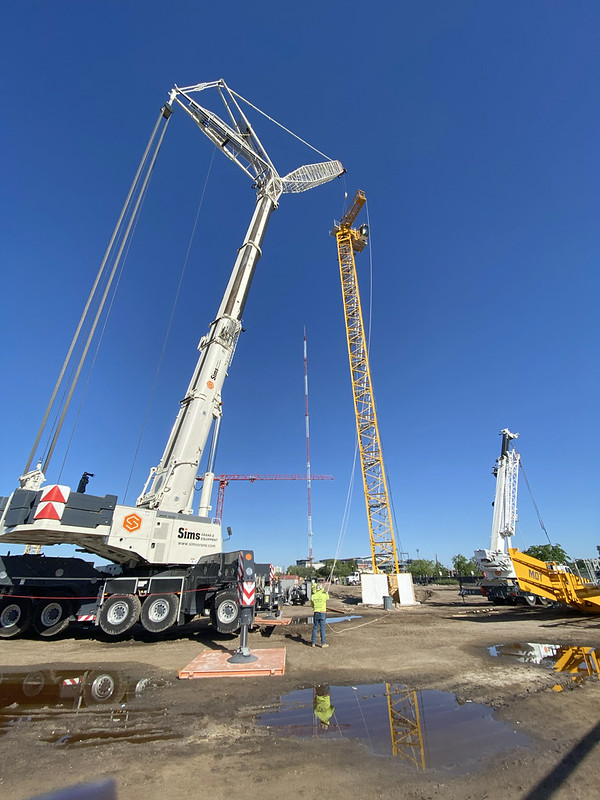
(273, 603)
(246, 596)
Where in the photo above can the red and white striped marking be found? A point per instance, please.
(52, 502)
(246, 589)
(71, 681)
(246, 593)
(86, 618)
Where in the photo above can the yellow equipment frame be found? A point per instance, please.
(381, 531)
(556, 582)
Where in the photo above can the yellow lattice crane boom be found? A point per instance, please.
(381, 531)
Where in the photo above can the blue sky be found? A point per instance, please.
(472, 127)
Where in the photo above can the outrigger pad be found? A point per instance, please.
(215, 664)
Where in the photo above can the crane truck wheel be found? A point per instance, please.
(103, 687)
(15, 616)
(529, 599)
(225, 612)
(51, 617)
(119, 613)
(159, 612)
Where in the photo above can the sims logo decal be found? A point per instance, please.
(132, 522)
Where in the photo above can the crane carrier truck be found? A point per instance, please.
(166, 562)
(499, 583)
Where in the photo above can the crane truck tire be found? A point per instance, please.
(159, 612)
(51, 617)
(529, 599)
(15, 616)
(102, 687)
(33, 684)
(119, 613)
(225, 612)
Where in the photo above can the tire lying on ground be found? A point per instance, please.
(119, 613)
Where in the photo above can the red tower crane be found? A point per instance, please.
(224, 480)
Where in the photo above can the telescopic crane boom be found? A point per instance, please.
(172, 481)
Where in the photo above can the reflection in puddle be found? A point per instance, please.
(80, 706)
(428, 729)
(579, 661)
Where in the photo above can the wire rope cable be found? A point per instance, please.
(371, 284)
(345, 516)
(363, 717)
(102, 302)
(537, 511)
(90, 298)
(169, 326)
(279, 125)
(99, 343)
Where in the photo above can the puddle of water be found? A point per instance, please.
(86, 706)
(428, 730)
(580, 662)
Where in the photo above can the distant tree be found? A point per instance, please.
(303, 572)
(548, 552)
(422, 568)
(325, 571)
(464, 566)
(344, 568)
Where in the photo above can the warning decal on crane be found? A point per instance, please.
(245, 589)
(52, 502)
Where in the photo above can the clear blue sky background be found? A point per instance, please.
(472, 127)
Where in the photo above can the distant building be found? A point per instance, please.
(304, 562)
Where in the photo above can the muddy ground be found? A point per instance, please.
(202, 738)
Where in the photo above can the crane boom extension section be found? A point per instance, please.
(173, 480)
(159, 548)
(381, 530)
(496, 562)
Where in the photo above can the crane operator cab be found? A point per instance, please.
(362, 237)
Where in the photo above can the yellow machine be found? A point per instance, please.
(555, 582)
(381, 532)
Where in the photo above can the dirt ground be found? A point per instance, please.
(201, 738)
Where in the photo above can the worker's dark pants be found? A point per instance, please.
(319, 619)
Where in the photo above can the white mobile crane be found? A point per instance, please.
(167, 562)
(500, 583)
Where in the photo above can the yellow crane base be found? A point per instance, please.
(556, 582)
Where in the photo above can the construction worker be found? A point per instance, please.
(322, 707)
(318, 600)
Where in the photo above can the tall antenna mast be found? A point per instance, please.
(308, 486)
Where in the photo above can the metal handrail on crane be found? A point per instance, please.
(381, 530)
